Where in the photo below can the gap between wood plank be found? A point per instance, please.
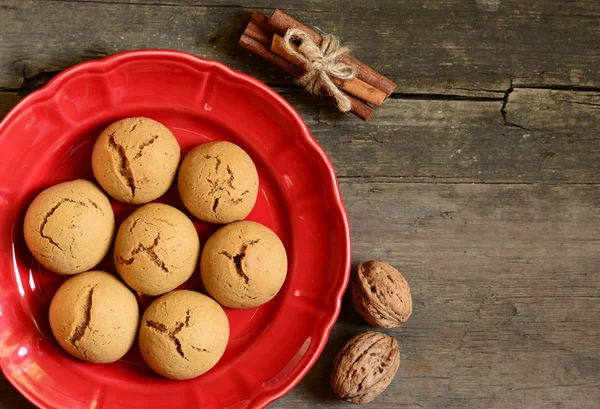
(30, 84)
(206, 6)
(450, 181)
(34, 82)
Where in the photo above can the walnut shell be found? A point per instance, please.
(381, 295)
(365, 366)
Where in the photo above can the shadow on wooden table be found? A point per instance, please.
(10, 398)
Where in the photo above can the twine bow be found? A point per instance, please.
(321, 63)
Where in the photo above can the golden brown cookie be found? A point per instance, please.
(218, 182)
(135, 160)
(183, 334)
(156, 249)
(94, 317)
(243, 265)
(69, 227)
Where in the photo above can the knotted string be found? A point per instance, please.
(321, 63)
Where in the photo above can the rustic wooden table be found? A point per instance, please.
(479, 179)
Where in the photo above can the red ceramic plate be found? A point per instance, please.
(48, 137)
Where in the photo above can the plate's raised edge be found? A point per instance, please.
(47, 91)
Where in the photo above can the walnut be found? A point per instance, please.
(381, 295)
(365, 366)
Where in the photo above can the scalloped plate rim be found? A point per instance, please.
(47, 91)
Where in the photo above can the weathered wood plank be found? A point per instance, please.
(459, 140)
(460, 47)
(464, 140)
(554, 111)
(506, 292)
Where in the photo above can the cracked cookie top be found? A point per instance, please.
(218, 182)
(94, 317)
(243, 265)
(156, 249)
(135, 160)
(69, 227)
(183, 334)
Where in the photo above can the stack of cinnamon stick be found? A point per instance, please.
(264, 37)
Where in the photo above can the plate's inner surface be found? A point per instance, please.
(51, 142)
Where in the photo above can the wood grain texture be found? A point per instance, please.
(505, 288)
(479, 179)
(446, 141)
(463, 47)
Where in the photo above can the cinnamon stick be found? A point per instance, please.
(261, 20)
(255, 47)
(252, 30)
(356, 87)
(359, 108)
(281, 22)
